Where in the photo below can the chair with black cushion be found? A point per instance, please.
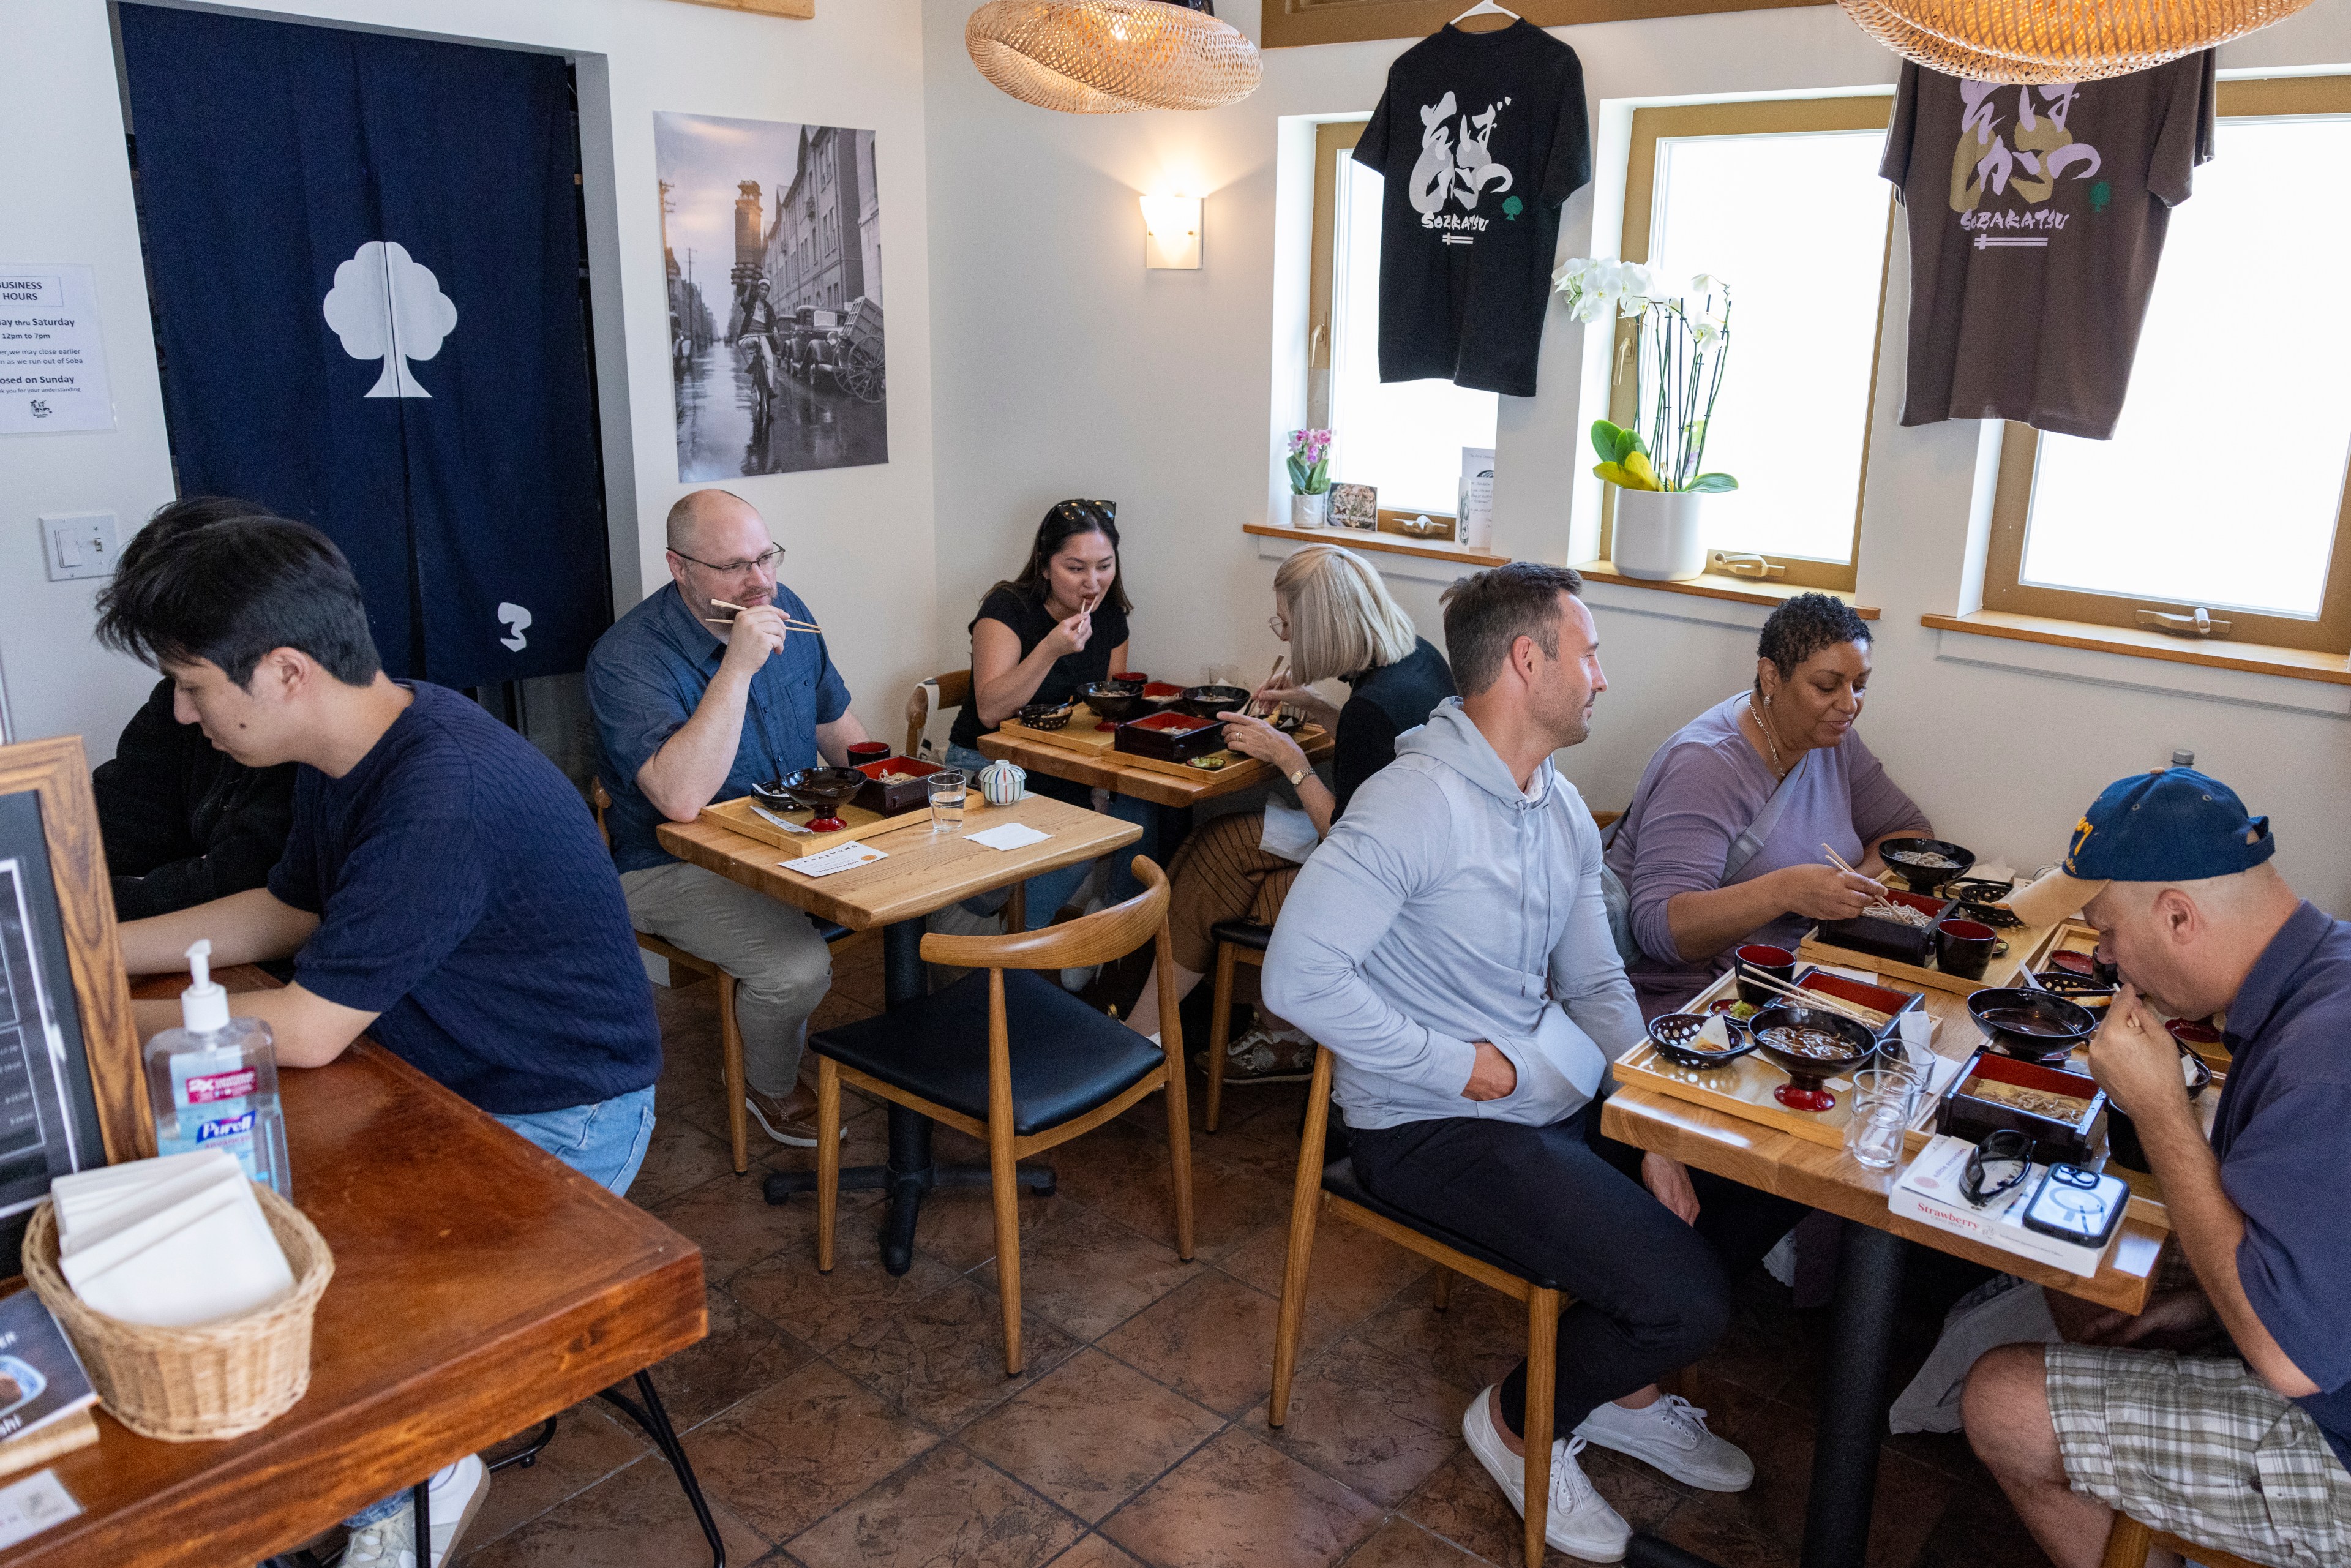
(1007, 1056)
(1238, 942)
(1334, 1190)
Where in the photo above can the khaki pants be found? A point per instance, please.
(781, 966)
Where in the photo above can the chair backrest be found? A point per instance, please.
(954, 690)
(1090, 939)
(600, 800)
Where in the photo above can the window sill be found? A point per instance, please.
(1715, 585)
(1391, 544)
(2295, 663)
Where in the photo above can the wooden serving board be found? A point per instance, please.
(1085, 734)
(738, 817)
(2028, 946)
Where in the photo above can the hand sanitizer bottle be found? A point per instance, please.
(213, 1082)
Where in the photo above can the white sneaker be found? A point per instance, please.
(457, 1495)
(1671, 1434)
(1578, 1521)
(387, 1543)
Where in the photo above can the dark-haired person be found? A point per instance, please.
(444, 887)
(182, 820)
(2222, 1412)
(1058, 625)
(1449, 944)
(1722, 845)
(693, 703)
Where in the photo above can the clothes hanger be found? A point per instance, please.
(1484, 8)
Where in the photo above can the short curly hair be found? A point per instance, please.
(1803, 626)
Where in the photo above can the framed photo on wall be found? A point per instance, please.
(1355, 506)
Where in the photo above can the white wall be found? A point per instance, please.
(1065, 367)
(860, 538)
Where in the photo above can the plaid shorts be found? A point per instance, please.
(2203, 1449)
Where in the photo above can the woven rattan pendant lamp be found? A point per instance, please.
(1111, 56)
(2035, 41)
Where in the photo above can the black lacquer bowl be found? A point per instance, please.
(1925, 878)
(2035, 1026)
(1807, 1073)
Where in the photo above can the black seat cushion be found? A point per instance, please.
(831, 931)
(1338, 1179)
(1067, 1058)
(1242, 933)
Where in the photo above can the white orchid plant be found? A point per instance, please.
(1685, 340)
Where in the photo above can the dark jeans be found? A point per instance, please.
(1651, 1293)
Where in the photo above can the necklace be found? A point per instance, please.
(1779, 768)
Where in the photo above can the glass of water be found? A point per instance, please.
(949, 787)
(1884, 1099)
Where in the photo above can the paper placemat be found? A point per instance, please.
(843, 857)
(1010, 836)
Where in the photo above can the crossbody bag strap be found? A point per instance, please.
(1749, 844)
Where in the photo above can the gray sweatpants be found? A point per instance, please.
(782, 967)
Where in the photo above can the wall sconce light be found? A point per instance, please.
(1171, 227)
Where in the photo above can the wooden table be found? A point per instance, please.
(1173, 797)
(480, 1287)
(1869, 1277)
(925, 870)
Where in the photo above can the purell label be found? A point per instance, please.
(220, 1086)
(226, 1127)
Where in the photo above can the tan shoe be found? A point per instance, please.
(790, 1120)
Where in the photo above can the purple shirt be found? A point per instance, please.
(1700, 792)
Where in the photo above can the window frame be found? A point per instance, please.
(2271, 97)
(1761, 116)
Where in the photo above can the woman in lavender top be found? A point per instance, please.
(1707, 785)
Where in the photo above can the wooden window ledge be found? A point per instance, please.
(1392, 544)
(1716, 585)
(2298, 663)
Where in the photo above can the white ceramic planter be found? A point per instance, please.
(1310, 511)
(1660, 534)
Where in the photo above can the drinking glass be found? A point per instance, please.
(949, 787)
(1884, 1100)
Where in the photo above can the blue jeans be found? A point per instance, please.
(1048, 893)
(604, 1141)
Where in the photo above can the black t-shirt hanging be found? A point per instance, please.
(1481, 137)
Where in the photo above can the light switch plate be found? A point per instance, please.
(77, 544)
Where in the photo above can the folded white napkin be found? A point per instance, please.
(172, 1243)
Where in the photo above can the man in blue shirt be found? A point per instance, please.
(2222, 1412)
(695, 702)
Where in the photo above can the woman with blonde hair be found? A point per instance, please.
(1331, 608)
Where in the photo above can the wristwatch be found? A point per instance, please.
(1299, 777)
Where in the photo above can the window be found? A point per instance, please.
(2224, 486)
(1402, 437)
(1782, 200)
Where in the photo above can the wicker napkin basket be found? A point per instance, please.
(185, 1385)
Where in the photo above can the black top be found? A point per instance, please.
(1388, 701)
(182, 821)
(1481, 137)
(1032, 622)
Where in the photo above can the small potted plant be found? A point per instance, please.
(1310, 479)
(1660, 479)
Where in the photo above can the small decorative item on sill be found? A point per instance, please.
(1310, 479)
(1113, 57)
(1355, 506)
(2042, 42)
(1424, 527)
(1659, 482)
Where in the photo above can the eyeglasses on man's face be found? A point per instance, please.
(764, 563)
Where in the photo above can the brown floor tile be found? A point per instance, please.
(1235, 1500)
(1401, 1544)
(1723, 1541)
(590, 1443)
(743, 1354)
(1260, 1134)
(1978, 1529)
(1089, 1274)
(736, 1226)
(1211, 1341)
(1368, 1421)
(788, 1456)
(636, 1517)
(680, 1156)
(942, 1360)
(867, 1144)
(825, 1310)
(1090, 1433)
(857, 972)
(1229, 1206)
(1093, 1552)
(959, 1225)
(1910, 1497)
(946, 1510)
(1354, 1272)
(1771, 1347)
(1461, 1503)
(1473, 1344)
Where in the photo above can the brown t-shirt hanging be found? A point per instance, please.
(2037, 215)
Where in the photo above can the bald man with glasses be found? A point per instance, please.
(695, 702)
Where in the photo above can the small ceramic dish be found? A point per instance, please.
(1044, 716)
(1674, 1033)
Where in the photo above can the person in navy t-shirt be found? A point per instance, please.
(2222, 1412)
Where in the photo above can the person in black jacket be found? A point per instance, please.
(1334, 611)
(184, 824)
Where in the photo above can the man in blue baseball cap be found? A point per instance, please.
(2222, 1412)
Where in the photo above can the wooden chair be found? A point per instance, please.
(1334, 1190)
(2128, 1545)
(952, 1056)
(954, 690)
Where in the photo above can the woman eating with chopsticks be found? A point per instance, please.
(1724, 842)
(1334, 612)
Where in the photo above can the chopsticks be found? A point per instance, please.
(1842, 864)
(1820, 999)
(1271, 676)
(796, 625)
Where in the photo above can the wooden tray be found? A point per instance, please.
(1084, 735)
(736, 816)
(2028, 948)
(1744, 1088)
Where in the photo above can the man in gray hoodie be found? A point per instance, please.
(1449, 944)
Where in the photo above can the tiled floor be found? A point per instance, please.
(855, 1419)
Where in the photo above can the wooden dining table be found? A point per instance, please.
(1852, 1402)
(1170, 795)
(480, 1287)
(926, 869)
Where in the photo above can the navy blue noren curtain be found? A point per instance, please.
(452, 460)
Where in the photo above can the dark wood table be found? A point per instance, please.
(480, 1287)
